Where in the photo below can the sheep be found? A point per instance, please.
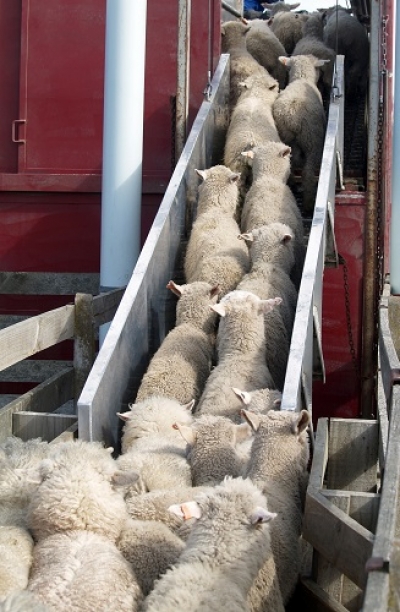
(265, 47)
(16, 546)
(182, 364)
(22, 601)
(251, 124)
(300, 118)
(212, 253)
(226, 547)
(271, 200)
(151, 548)
(273, 259)
(348, 37)
(78, 489)
(260, 400)
(151, 446)
(17, 459)
(214, 449)
(312, 44)
(83, 571)
(278, 465)
(241, 353)
(288, 28)
(242, 63)
(153, 506)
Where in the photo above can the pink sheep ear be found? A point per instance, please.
(301, 422)
(287, 238)
(202, 173)
(284, 60)
(268, 305)
(176, 289)
(252, 419)
(187, 433)
(277, 403)
(186, 511)
(248, 237)
(124, 416)
(190, 405)
(261, 515)
(244, 396)
(219, 309)
(249, 154)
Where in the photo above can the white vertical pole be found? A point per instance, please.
(395, 221)
(122, 140)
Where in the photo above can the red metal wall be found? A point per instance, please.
(340, 395)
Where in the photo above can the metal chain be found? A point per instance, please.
(350, 336)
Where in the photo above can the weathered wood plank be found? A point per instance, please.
(363, 507)
(105, 305)
(84, 345)
(35, 334)
(312, 597)
(320, 456)
(326, 575)
(27, 425)
(31, 370)
(49, 283)
(339, 538)
(46, 397)
(353, 455)
(69, 434)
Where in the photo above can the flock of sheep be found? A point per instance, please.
(202, 509)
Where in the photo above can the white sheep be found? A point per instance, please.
(278, 465)
(300, 118)
(78, 489)
(182, 364)
(288, 28)
(241, 353)
(212, 254)
(16, 547)
(242, 63)
(151, 447)
(153, 506)
(312, 44)
(83, 571)
(227, 545)
(251, 124)
(265, 47)
(151, 548)
(348, 37)
(214, 448)
(260, 400)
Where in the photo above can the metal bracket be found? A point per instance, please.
(331, 250)
(14, 131)
(318, 357)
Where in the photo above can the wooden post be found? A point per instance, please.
(84, 345)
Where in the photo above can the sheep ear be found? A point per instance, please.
(244, 396)
(301, 422)
(177, 289)
(189, 406)
(121, 478)
(187, 433)
(261, 515)
(287, 238)
(249, 154)
(248, 236)
(186, 511)
(285, 152)
(202, 173)
(215, 290)
(273, 86)
(124, 416)
(294, 6)
(277, 404)
(252, 419)
(219, 309)
(268, 305)
(322, 62)
(285, 60)
(243, 432)
(234, 177)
